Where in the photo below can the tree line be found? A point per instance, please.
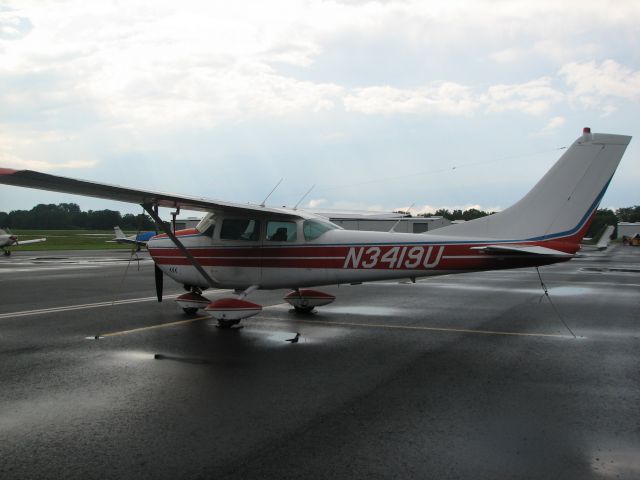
(68, 216)
(603, 217)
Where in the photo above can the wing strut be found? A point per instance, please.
(153, 211)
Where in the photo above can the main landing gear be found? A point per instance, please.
(6, 253)
(305, 300)
(230, 311)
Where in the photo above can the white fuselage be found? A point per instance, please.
(337, 256)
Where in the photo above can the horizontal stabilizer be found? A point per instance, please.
(523, 250)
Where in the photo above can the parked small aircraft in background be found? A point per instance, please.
(9, 240)
(601, 243)
(250, 247)
(140, 239)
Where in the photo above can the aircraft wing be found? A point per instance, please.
(522, 250)
(27, 242)
(54, 183)
(603, 242)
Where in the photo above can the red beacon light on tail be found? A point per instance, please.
(586, 131)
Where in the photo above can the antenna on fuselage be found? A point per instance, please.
(393, 229)
(273, 190)
(303, 197)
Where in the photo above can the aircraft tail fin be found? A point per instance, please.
(561, 205)
(119, 232)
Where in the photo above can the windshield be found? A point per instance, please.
(315, 228)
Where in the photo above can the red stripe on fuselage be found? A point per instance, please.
(358, 257)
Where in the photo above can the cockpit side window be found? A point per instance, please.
(279, 231)
(314, 228)
(246, 229)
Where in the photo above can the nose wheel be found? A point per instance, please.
(191, 302)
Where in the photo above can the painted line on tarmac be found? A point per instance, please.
(348, 324)
(69, 308)
(153, 327)
(418, 327)
(170, 324)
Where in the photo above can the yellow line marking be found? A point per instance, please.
(153, 327)
(417, 327)
(348, 324)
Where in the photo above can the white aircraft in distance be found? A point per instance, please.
(249, 247)
(140, 239)
(601, 243)
(9, 240)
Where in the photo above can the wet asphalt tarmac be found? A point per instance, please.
(466, 376)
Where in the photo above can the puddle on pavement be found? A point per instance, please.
(569, 291)
(134, 355)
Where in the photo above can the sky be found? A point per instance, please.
(379, 104)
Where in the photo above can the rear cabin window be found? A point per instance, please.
(312, 229)
(282, 231)
(240, 229)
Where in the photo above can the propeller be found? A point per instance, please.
(158, 272)
(159, 281)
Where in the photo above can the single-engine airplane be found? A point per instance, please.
(139, 240)
(9, 240)
(249, 247)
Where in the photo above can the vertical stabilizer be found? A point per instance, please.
(119, 232)
(561, 204)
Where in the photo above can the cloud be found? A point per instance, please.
(13, 27)
(12, 161)
(206, 97)
(554, 124)
(316, 202)
(508, 55)
(420, 210)
(597, 85)
(534, 97)
(210, 64)
(446, 97)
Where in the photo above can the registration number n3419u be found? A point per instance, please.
(394, 257)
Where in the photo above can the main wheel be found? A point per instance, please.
(303, 309)
(227, 323)
(190, 310)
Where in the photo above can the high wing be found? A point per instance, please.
(603, 242)
(55, 183)
(522, 250)
(26, 242)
